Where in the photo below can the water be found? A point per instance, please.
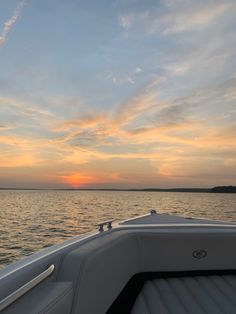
(32, 220)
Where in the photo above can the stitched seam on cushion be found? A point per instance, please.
(77, 284)
(228, 282)
(55, 301)
(231, 287)
(222, 292)
(193, 295)
(61, 258)
(77, 288)
(176, 295)
(209, 295)
(145, 302)
(160, 293)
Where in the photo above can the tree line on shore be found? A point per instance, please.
(216, 189)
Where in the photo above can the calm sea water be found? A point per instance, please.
(32, 220)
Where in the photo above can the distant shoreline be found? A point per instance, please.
(218, 189)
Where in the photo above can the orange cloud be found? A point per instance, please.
(144, 141)
(18, 160)
(87, 121)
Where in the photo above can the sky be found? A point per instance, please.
(117, 93)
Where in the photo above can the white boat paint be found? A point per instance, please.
(140, 241)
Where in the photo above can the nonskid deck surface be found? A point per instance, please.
(184, 295)
(170, 219)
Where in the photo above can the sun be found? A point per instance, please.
(78, 180)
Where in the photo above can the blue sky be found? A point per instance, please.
(117, 93)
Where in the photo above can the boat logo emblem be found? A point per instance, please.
(199, 254)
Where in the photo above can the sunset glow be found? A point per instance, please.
(117, 94)
(77, 180)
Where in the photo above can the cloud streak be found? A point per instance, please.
(8, 25)
(193, 19)
(175, 18)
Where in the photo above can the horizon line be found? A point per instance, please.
(115, 189)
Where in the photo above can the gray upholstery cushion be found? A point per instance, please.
(47, 298)
(195, 295)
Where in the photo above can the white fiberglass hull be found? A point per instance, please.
(87, 274)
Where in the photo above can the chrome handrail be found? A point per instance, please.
(25, 288)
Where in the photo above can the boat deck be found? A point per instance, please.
(156, 263)
(170, 219)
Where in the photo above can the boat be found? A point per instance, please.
(156, 263)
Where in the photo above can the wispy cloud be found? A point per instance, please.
(125, 78)
(134, 107)
(6, 127)
(144, 118)
(8, 25)
(83, 121)
(125, 21)
(194, 18)
(113, 149)
(175, 18)
(121, 79)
